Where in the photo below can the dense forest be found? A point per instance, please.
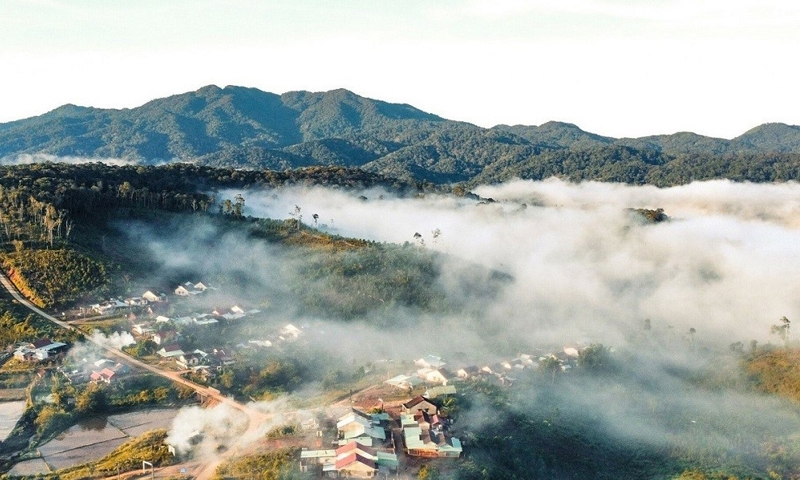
(245, 128)
(59, 242)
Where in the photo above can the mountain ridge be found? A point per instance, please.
(245, 127)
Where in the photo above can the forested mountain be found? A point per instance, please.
(247, 128)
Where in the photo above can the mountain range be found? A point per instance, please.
(248, 128)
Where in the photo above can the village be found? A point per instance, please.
(404, 422)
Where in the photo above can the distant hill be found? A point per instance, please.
(557, 135)
(247, 128)
(777, 137)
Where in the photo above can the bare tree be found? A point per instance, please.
(782, 329)
(436, 233)
(419, 239)
(297, 216)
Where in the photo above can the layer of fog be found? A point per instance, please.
(584, 269)
(725, 265)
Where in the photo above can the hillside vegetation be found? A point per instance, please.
(776, 371)
(54, 277)
(149, 446)
(238, 127)
(276, 465)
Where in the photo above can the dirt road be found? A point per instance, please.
(205, 471)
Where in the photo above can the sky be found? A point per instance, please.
(622, 68)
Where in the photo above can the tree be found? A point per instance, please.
(436, 233)
(227, 378)
(551, 366)
(238, 206)
(145, 348)
(91, 400)
(781, 329)
(297, 216)
(419, 239)
(428, 472)
(226, 207)
(596, 357)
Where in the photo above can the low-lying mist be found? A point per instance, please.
(582, 266)
(555, 264)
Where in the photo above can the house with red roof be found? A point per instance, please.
(356, 465)
(105, 375)
(350, 460)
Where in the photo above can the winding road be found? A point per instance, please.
(255, 418)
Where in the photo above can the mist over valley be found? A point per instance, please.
(568, 327)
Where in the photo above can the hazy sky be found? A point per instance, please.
(614, 67)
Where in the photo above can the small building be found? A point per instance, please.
(440, 391)
(163, 337)
(430, 361)
(424, 437)
(433, 375)
(136, 301)
(356, 465)
(103, 376)
(350, 460)
(37, 350)
(153, 297)
(290, 332)
(220, 357)
(571, 352)
(419, 404)
(188, 360)
(234, 313)
(182, 291)
(189, 289)
(405, 382)
(468, 372)
(142, 329)
(204, 319)
(360, 427)
(109, 306)
(324, 458)
(172, 350)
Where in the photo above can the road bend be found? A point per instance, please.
(254, 417)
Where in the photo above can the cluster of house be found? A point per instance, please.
(200, 362)
(162, 330)
(105, 370)
(350, 460)
(425, 432)
(188, 289)
(431, 371)
(114, 305)
(363, 450)
(99, 371)
(39, 350)
(206, 364)
(109, 306)
(287, 333)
